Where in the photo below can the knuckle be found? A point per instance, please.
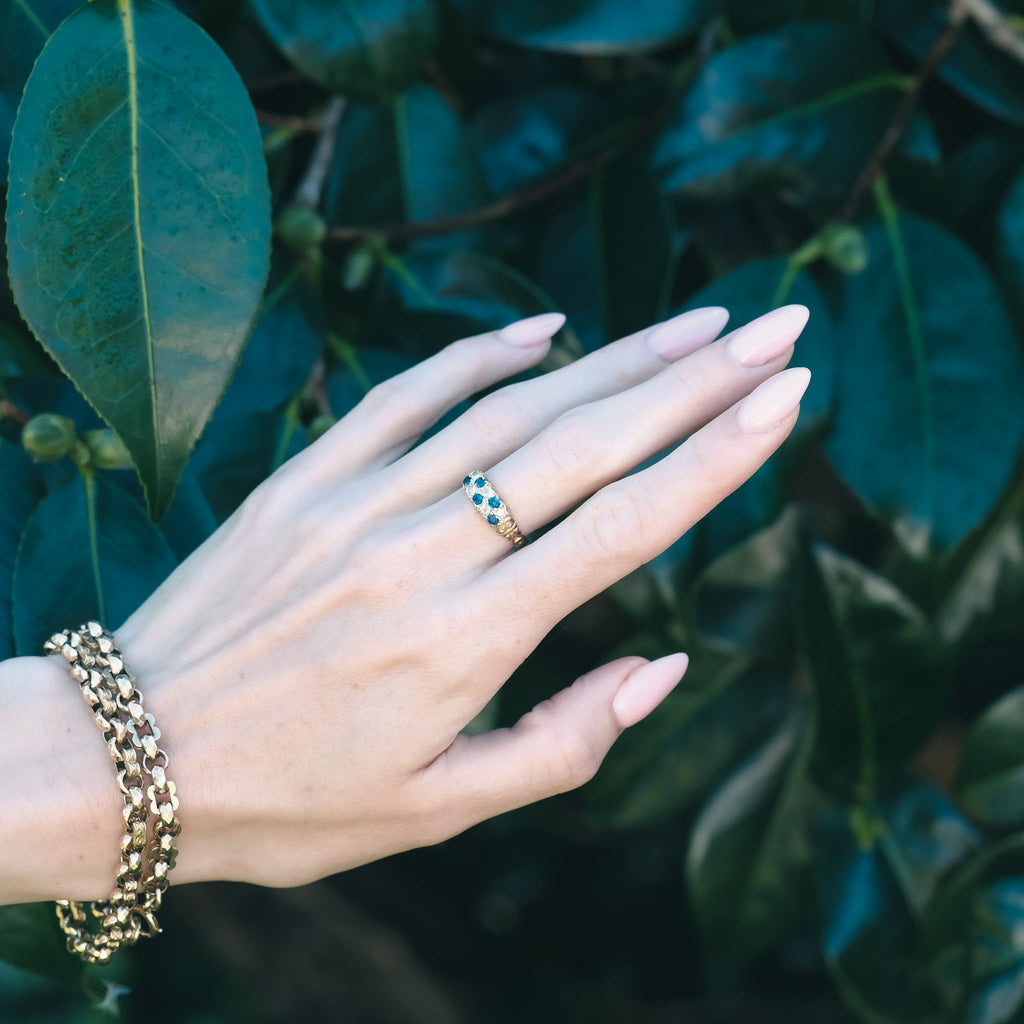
(616, 524)
(573, 441)
(573, 759)
(500, 418)
(384, 397)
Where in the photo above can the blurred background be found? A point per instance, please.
(825, 823)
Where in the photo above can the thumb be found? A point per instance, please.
(556, 747)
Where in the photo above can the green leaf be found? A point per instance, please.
(608, 259)
(25, 26)
(990, 783)
(984, 73)
(365, 49)
(21, 490)
(749, 859)
(878, 868)
(138, 227)
(408, 160)
(109, 560)
(760, 115)
(525, 135)
(927, 429)
(589, 26)
(879, 673)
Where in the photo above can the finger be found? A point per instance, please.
(591, 446)
(556, 747)
(503, 421)
(634, 519)
(397, 411)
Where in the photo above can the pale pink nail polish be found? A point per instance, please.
(687, 332)
(767, 337)
(773, 402)
(647, 687)
(532, 330)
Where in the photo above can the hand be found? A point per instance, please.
(313, 664)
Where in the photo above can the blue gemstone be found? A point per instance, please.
(478, 499)
(493, 519)
(494, 502)
(480, 482)
(465, 483)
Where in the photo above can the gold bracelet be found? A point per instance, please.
(129, 913)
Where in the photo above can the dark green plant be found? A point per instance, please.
(840, 782)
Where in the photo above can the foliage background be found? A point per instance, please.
(825, 824)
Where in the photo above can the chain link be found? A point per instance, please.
(129, 913)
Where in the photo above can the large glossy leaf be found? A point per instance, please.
(760, 115)
(749, 859)
(20, 490)
(138, 225)
(589, 26)
(25, 25)
(926, 431)
(879, 674)
(981, 71)
(878, 867)
(109, 560)
(366, 49)
(991, 779)
(30, 939)
(618, 242)
(411, 159)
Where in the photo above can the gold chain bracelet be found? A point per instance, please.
(129, 913)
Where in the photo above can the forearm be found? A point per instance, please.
(60, 819)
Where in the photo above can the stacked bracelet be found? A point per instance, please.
(129, 913)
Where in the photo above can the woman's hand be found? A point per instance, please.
(313, 664)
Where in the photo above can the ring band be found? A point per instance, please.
(495, 512)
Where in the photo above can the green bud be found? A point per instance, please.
(106, 449)
(48, 437)
(320, 426)
(359, 266)
(845, 247)
(301, 228)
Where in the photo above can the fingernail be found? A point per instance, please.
(647, 687)
(532, 330)
(687, 332)
(767, 337)
(773, 402)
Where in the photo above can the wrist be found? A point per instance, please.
(60, 819)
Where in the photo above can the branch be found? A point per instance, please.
(9, 411)
(311, 187)
(511, 202)
(876, 165)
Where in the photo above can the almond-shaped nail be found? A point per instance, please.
(687, 332)
(647, 687)
(532, 331)
(767, 337)
(773, 402)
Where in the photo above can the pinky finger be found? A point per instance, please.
(558, 746)
(393, 415)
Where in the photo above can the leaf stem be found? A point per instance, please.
(89, 483)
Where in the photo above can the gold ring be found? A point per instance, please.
(486, 501)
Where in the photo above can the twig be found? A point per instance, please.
(9, 411)
(876, 165)
(511, 202)
(311, 187)
(289, 121)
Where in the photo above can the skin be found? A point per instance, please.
(313, 665)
